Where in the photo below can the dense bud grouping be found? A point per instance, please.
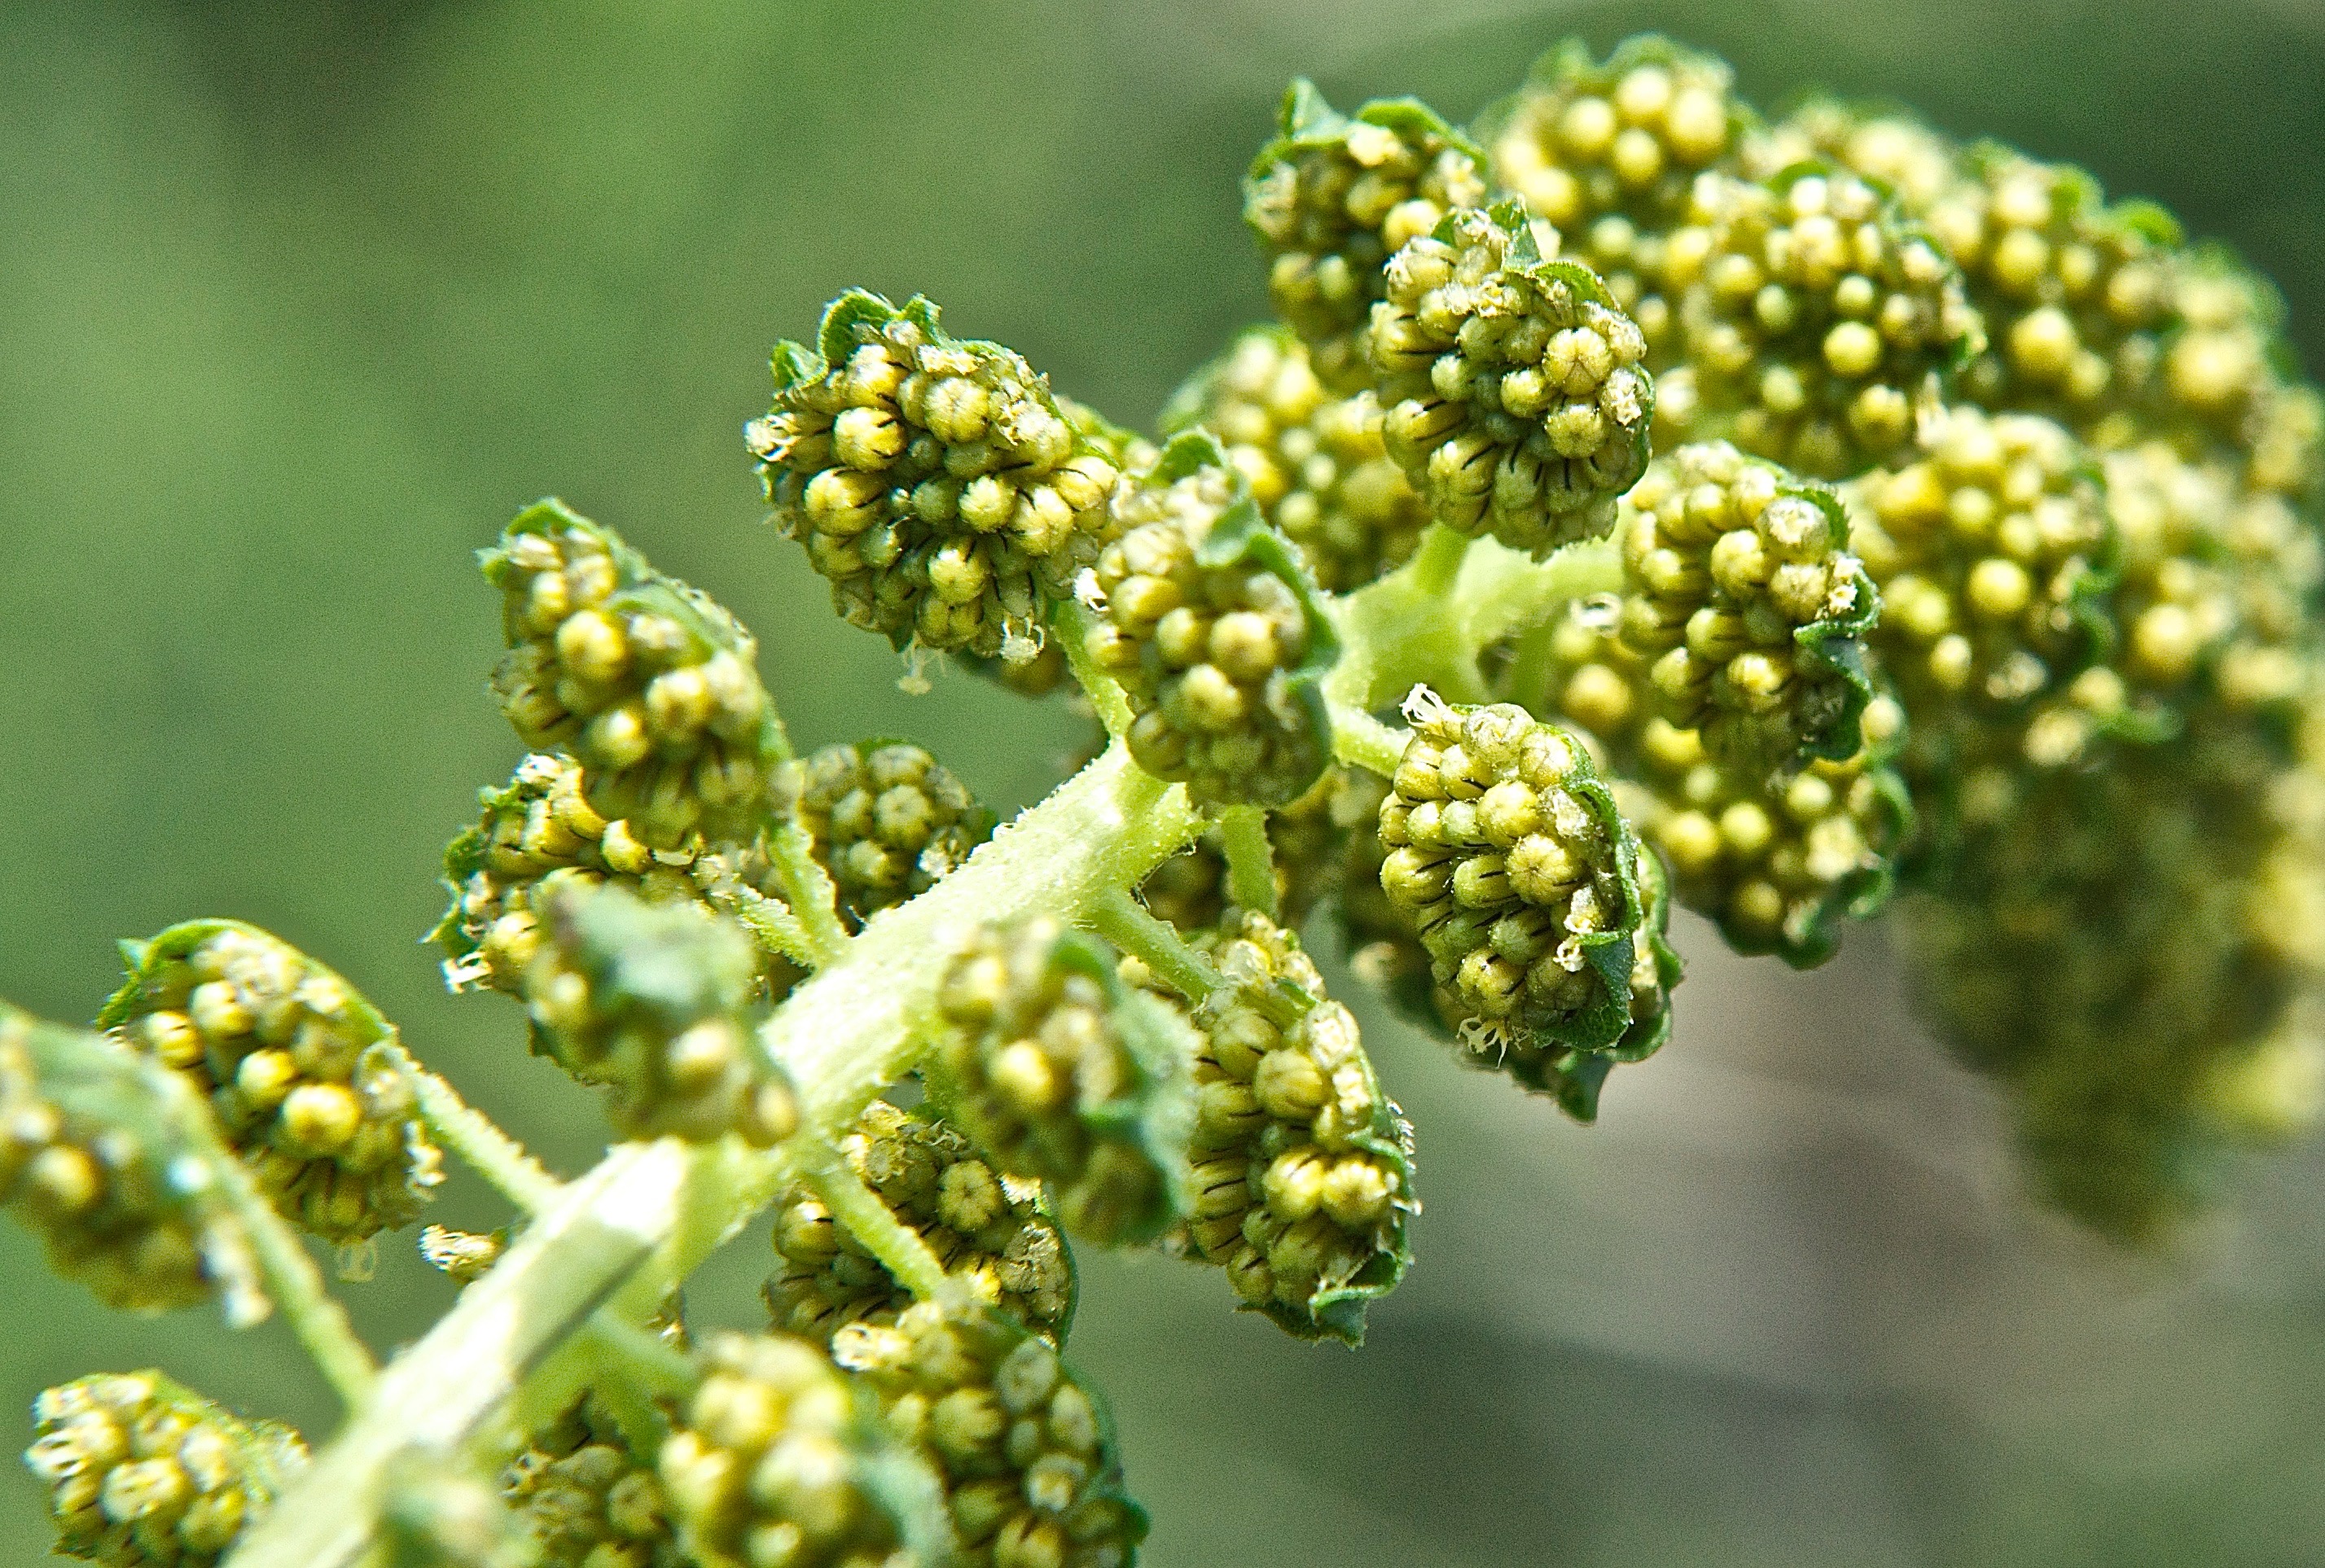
(144, 1474)
(1508, 859)
(1213, 629)
(1302, 1167)
(1512, 386)
(1332, 198)
(646, 682)
(1317, 463)
(652, 1000)
(1820, 318)
(587, 1500)
(1024, 1451)
(775, 1464)
(301, 1073)
(1065, 1076)
(887, 819)
(1740, 591)
(936, 482)
(1608, 153)
(986, 1228)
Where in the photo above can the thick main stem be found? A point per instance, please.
(641, 1221)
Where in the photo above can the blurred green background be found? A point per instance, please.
(299, 303)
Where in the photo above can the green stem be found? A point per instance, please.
(1437, 563)
(1071, 623)
(1251, 859)
(770, 921)
(814, 901)
(307, 1305)
(623, 1234)
(1361, 740)
(866, 1217)
(481, 1145)
(1130, 926)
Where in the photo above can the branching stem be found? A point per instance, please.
(480, 1144)
(867, 1217)
(1127, 923)
(296, 1285)
(1251, 859)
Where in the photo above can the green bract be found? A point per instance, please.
(1065, 1074)
(1514, 396)
(301, 1073)
(1332, 197)
(1215, 629)
(936, 482)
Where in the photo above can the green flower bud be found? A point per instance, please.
(1993, 553)
(300, 1071)
(143, 1473)
(1508, 859)
(1023, 1448)
(1303, 1168)
(1515, 398)
(780, 1464)
(588, 1501)
(1739, 592)
(1064, 1074)
(886, 818)
(652, 1000)
(112, 1160)
(1317, 466)
(988, 1228)
(647, 682)
(1819, 319)
(540, 824)
(1331, 199)
(936, 482)
(1214, 630)
(1607, 154)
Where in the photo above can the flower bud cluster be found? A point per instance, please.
(774, 1464)
(1514, 396)
(1820, 318)
(1064, 1074)
(1740, 590)
(935, 483)
(1332, 198)
(588, 1501)
(1303, 1168)
(1214, 631)
(1507, 856)
(987, 1229)
(1317, 466)
(1607, 154)
(651, 1001)
(144, 1474)
(300, 1071)
(108, 1191)
(1992, 552)
(650, 685)
(1024, 1451)
(887, 820)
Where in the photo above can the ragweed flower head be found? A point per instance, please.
(1303, 1168)
(1821, 318)
(1993, 551)
(1065, 1074)
(937, 484)
(778, 1462)
(654, 1001)
(1607, 152)
(1317, 466)
(1508, 857)
(301, 1071)
(1514, 396)
(587, 1499)
(1024, 1449)
(646, 682)
(1331, 199)
(988, 1228)
(888, 819)
(1215, 632)
(1740, 589)
(143, 1473)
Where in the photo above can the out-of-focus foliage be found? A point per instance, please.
(297, 304)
